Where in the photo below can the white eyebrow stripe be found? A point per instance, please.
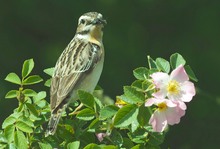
(84, 17)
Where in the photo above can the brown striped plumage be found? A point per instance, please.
(78, 67)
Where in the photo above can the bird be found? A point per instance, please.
(79, 67)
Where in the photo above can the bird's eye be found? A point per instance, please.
(82, 21)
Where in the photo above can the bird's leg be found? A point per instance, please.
(76, 110)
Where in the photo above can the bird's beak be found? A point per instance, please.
(99, 21)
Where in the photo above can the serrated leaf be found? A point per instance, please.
(29, 92)
(92, 146)
(86, 114)
(26, 121)
(136, 147)
(102, 146)
(94, 125)
(73, 145)
(8, 121)
(116, 138)
(133, 95)
(32, 80)
(20, 140)
(134, 125)
(24, 127)
(141, 73)
(143, 115)
(33, 109)
(44, 145)
(176, 59)
(191, 74)
(86, 98)
(11, 94)
(13, 78)
(156, 138)
(137, 84)
(9, 133)
(41, 95)
(126, 115)
(49, 71)
(139, 136)
(163, 65)
(28, 66)
(108, 112)
(151, 62)
(47, 83)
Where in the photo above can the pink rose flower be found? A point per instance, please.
(175, 86)
(100, 136)
(167, 112)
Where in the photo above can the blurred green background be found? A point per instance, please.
(41, 29)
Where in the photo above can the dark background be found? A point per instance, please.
(41, 29)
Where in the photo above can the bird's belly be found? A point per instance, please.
(89, 82)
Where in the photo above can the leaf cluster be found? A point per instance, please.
(124, 124)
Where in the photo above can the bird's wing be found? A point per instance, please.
(77, 59)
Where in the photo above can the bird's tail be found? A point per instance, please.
(53, 122)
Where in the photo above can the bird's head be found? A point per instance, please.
(90, 25)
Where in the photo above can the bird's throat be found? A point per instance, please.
(96, 35)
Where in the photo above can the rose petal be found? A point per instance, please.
(160, 79)
(179, 74)
(149, 102)
(158, 121)
(162, 93)
(188, 91)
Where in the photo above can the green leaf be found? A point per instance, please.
(49, 71)
(156, 138)
(141, 73)
(9, 133)
(41, 95)
(116, 138)
(33, 109)
(44, 145)
(24, 127)
(139, 136)
(32, 80)
(8, 121)
(191, 74)
(126, 115)
(86, 114)
(47, 83)
(163, 65)
(20, 140)
(134, 125)
(94, 125)
(13, 78)
(133, 95)
(73, 145)
(127, 143)
(26, 120)
(136, 147)
(29, 92)
(102, 146)
(28, 66)
(176, 59)
(137, 84)
(86, 98)
(143, 115)
(92, 146)
(108, 112)
(11, 94)
(151, 62)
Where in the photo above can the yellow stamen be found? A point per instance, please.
(173, 87)
(162, 106)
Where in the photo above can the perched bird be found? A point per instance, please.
(79, 66)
